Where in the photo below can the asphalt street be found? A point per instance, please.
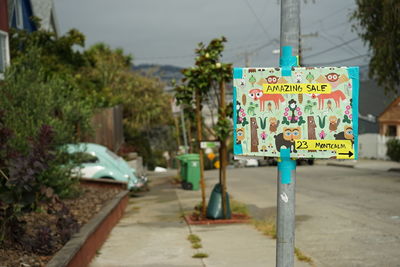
(344, 216)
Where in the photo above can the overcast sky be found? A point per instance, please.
(167, 31)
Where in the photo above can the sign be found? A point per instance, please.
(209, 144)
(313, 112)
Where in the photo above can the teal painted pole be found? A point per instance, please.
(286, 197)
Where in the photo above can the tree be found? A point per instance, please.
(109, 80)
(378, 24)
(208, 73)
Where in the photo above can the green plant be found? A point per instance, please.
(393, 149)
(301, 257)
(238, 207)
(196, 245)
(194, 238)
(200, 255)
(377, 23)
(268, 227)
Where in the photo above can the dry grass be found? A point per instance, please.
(268, 227)
(194, 238)
(200, 255)
(196, 245)
(239, 207)
(301, 257)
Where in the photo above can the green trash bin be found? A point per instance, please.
(190, 171)
(182, 167)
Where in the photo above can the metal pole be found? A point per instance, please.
(185, 142)
(285, 221)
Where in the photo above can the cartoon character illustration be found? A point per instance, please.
(336, 95)
(252, 80)
(273, 124)
(333, 123)
(264, 149)
(311, 125)
(263, 135)
(321, 122)
(244, 99)
(334, 79)
(271, 80)
(293, 114)
(287, 138)
(240, 115)
(322, 135)
(311, 128)
(269, 106)
(263, 123)
(254, 136)
(240, 136)
(298, 77)
(251, 109)
(347, 134)
(242, 83)
(309, 106)
(257, 94)
(309, 77)
(329, 105)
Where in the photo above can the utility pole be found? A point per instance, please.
(285, 221)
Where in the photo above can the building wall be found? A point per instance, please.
(373, 146)
(3, 16)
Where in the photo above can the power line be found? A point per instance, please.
(337, 61)
(258, 19)
(331, 48)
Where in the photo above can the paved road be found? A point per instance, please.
(345, 217)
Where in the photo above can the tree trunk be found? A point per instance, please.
(178, 139)
(222, 151)
(199, 138)
(189, 127)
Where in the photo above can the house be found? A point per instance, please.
(4, 45)
(389, 120)
(18, 14)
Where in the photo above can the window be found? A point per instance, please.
(392, 130)
(4, 53)
(18, 15)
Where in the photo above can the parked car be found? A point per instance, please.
(96, 161)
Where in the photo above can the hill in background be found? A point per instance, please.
(165, 73)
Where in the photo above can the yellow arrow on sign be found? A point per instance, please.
(344, 148)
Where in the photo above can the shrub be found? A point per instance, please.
(393, 149)
(40, 111)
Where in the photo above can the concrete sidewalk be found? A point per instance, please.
(367, 164)
(152, 233)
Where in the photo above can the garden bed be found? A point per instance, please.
(83, 208)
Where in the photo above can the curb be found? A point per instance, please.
(80, 250)
(339, 165)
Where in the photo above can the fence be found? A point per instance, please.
(373, 146)
(108, 128)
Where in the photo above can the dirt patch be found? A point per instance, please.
(195, 219)
(82, 209)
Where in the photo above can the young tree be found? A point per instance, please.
(378, 24)
(208, 73)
